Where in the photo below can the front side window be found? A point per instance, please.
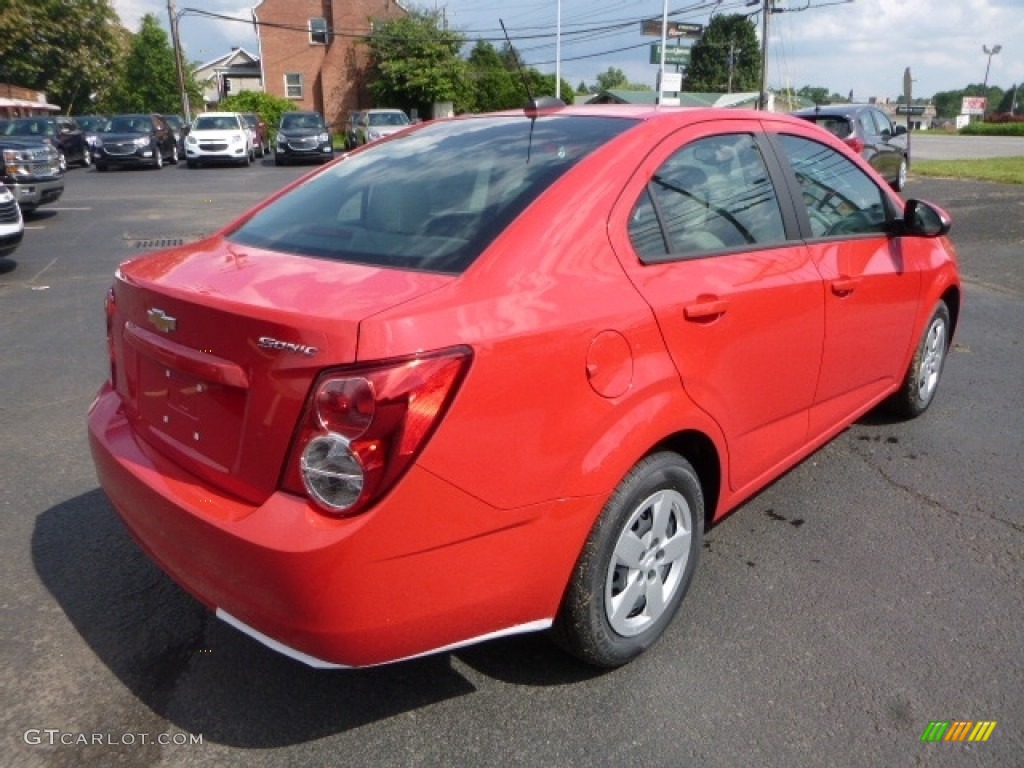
(433, 199)
(293, 85)
(840, 199)
(318, 31)
(714, 194)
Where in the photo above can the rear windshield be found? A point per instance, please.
(430, 200)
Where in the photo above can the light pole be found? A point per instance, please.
(990, 52)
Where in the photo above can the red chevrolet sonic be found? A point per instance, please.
(496, 374)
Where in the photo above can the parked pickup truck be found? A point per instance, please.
(31, 171)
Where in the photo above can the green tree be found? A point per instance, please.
(495, 86)
(63, 47)
(269, 107)
(615, 79)
(726, 58)
(817, 94)
(148, 80)
(414, 63)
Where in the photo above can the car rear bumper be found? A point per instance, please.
(428, 569)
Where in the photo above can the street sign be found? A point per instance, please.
(652, 28)
(973, 105)
(674, 54)
(913, 109)
(670, 82)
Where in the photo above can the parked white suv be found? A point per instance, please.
(218, 137)
(12, 226)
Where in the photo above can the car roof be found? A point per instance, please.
(833, 109)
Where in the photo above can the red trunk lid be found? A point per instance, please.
(217, 345)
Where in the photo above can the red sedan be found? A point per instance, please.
(496, 374)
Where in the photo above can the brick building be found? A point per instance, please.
(312, 52)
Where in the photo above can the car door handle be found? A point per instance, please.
(706, 309)
(844, 286)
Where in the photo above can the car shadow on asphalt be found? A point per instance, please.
(207, 678)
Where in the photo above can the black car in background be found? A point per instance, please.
(302, 136)
(870, 132)
(177, 125)
(62, 133)
(136, 140)
(92, 126)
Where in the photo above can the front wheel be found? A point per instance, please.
(86, 158)
(922, 377)
(636, 564)
(158, 158)
(174, 155)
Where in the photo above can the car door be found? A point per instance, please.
(871, 288)
(876, 130)
(714, 250)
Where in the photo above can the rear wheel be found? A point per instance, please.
(901, 176)
(922, 378)
(636, 565)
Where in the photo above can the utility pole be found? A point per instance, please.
(766, 12)
(173, 16)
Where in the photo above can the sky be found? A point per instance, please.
(863, 46)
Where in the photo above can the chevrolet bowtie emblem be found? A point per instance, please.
(161, 320)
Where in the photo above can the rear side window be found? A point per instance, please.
(431, 200)
(714, 194)
(839, 127)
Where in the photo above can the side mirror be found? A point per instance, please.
(900, 130)
(925, 219)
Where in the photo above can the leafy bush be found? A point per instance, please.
(270, 108)
(980, 128)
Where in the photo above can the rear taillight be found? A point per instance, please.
(363, 426)
(109, 310)
(855, 144)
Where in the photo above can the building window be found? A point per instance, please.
(293, 85)
(318, 31)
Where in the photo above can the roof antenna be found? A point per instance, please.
(533, 106)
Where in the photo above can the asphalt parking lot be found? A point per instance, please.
(873, 589)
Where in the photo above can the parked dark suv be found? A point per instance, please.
(134, 140)
(870, 132)
(302, 136)
(62, 133)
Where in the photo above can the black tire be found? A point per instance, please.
(158, 159)
(278, 160)
(901, 176)
(101, 167)
(174, 155)
(607, 617)
(921, 380)
(86, 158)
